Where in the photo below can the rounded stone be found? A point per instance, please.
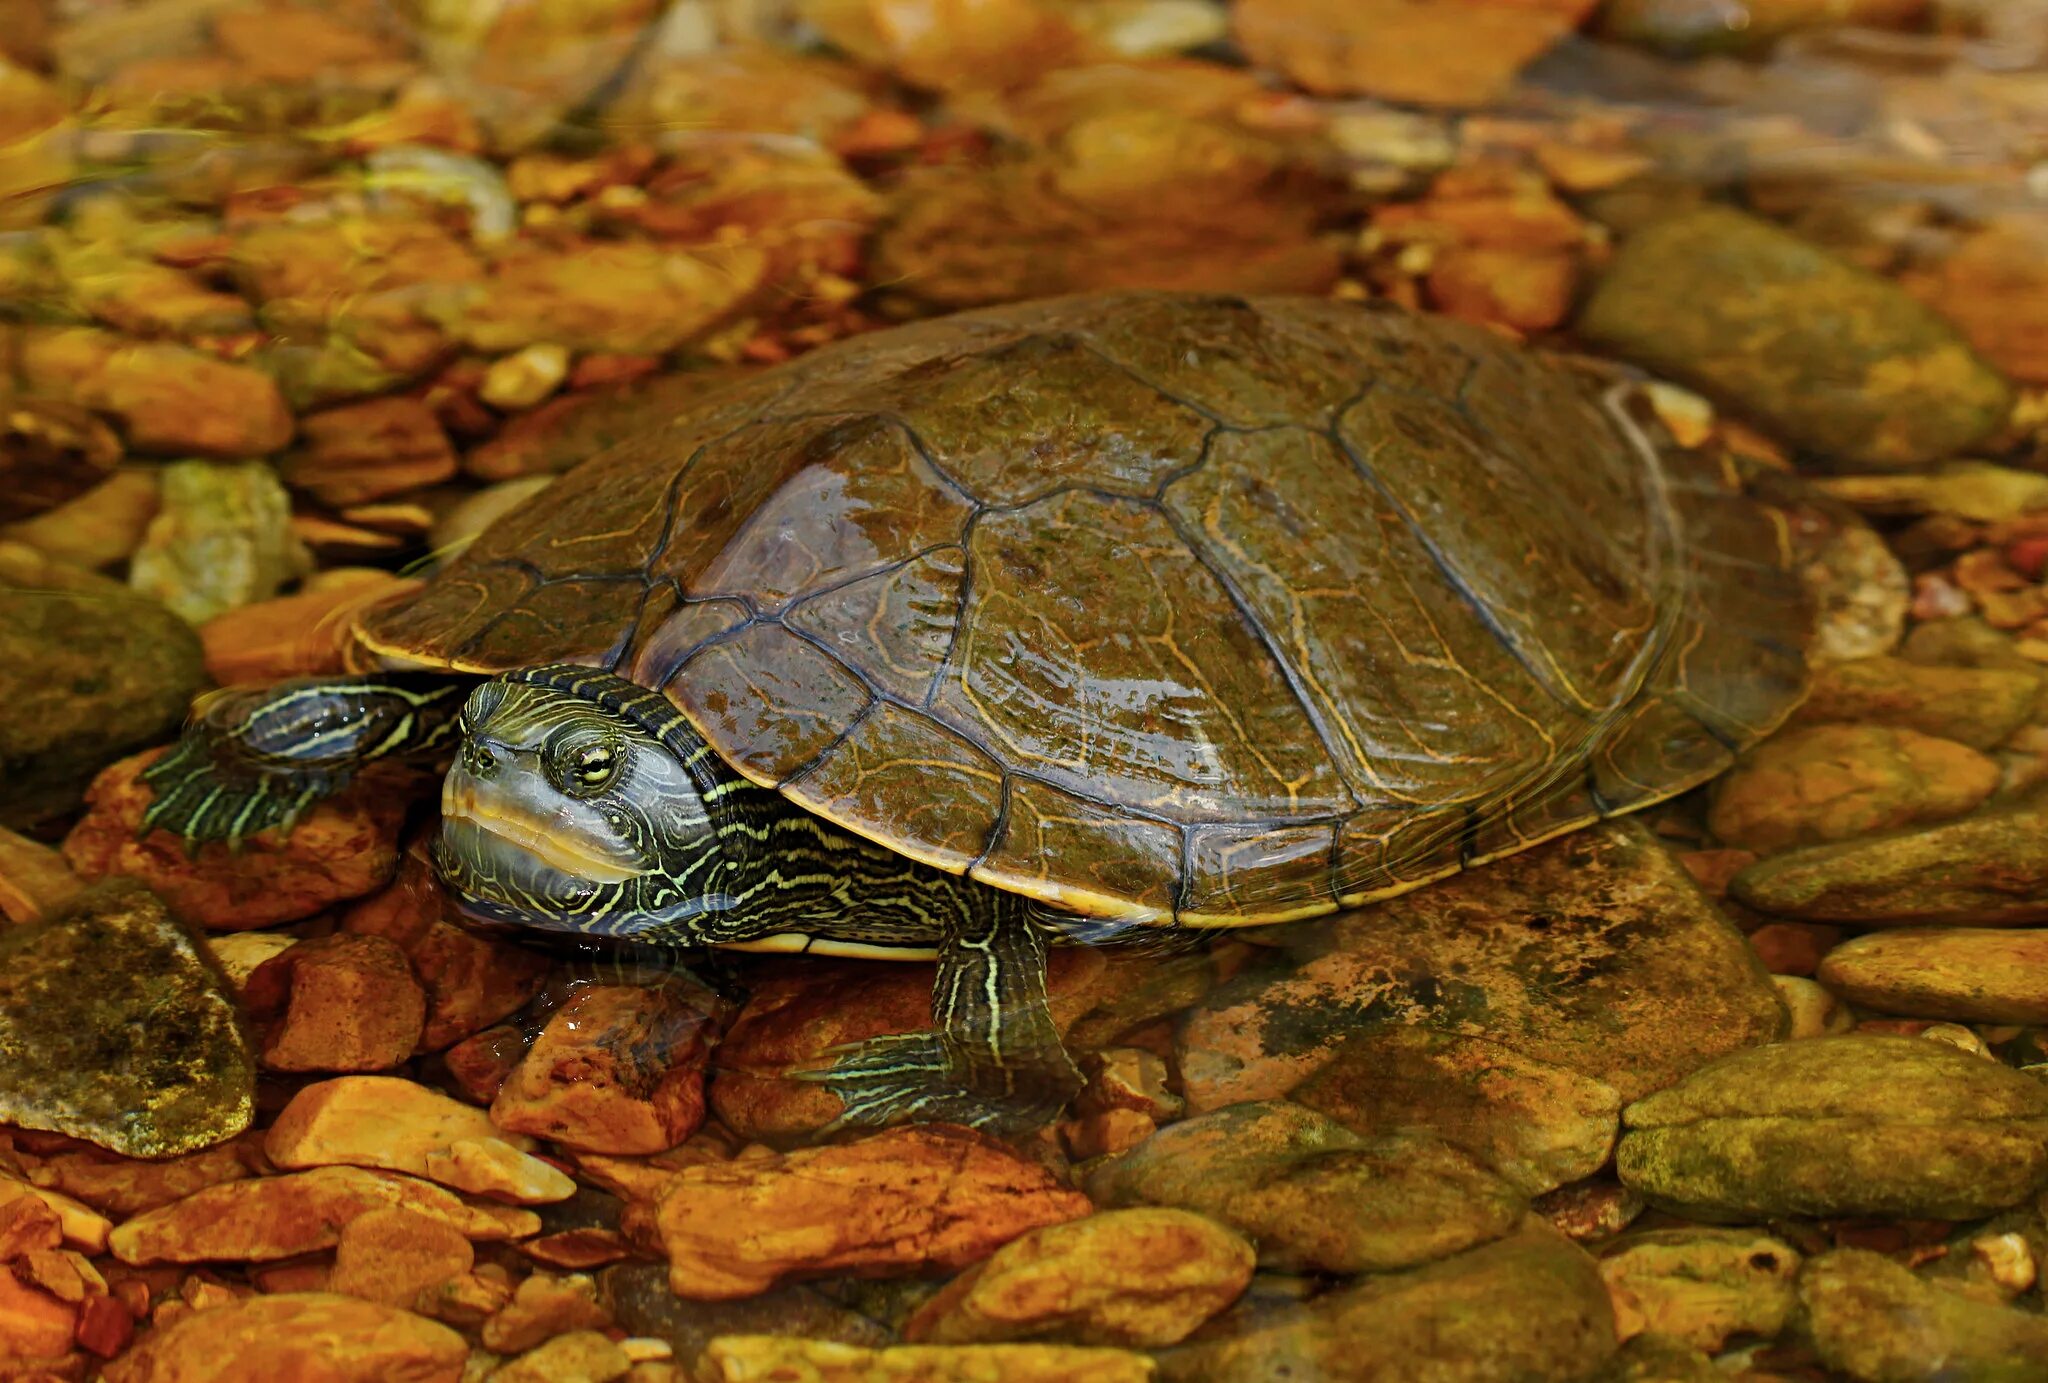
(1871, 1318)
(1970, 974)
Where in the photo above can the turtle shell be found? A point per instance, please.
(1162, 607)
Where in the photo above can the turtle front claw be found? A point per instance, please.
(921, 1077)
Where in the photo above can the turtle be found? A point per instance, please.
(1052, 622)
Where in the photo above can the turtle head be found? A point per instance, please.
(577, 804)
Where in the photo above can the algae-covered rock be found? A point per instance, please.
(1862, 1124)
(1872, 1320)
(115, 1028)
(1977, 706)
(1819, 783)
(1970, 974)
(86, 675)
(1595, 952)
(1654, 1358)
(1528, 1308)
(1701, 1286)
(1837, 360)
(222, 539)
(638, 1299)
(1312, 1195)
(1988, 869)
(1538, 1125)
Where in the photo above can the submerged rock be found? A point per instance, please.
(1862, 1124)
(769, 1358)
(1837, 360)
(1595, 952)
(115, 1028)
(1872, 1320)
(1971, 974)
(1701, 1286)
(1977, 706)
(335, 1338)
(639, 1300)
(1818, 783)
(222, 539)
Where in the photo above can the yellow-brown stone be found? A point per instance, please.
(1821, 783)
(773, 1358)
(295, 1335)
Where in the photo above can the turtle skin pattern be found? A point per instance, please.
(1159, 607)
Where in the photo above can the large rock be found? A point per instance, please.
(1314, 1196)
(1862, 1124)
(115, 1028)
(1699, 1285)
(1525, 1309)
(1977, 705)
(301, 1335)
(1595, 952)
(1818, 783)
(1872, 1320)
(1830, 357)
(1988, 869)
(1971, 974)
(766, 1358)
(86, 676)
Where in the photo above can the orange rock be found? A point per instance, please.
(105, 1326)
(267, 1218)
(349, 1004)
(170, 399)
(1793, 948)
(472, 981)
(577, 1250)
(296, 1336)
(341, 849)
(760, 1358)
(481, 1064)
(1995, 288)
(367, 451)
(392, 1255)
(468, 1300)
(27, 1224)
(32, 1322)
(1525, 290)
(542, 1307)
(901, 1202)
(582, 1356)
(401, 1126)
(289, 44)
(618, 1068)
(83, 1227)
(1425, 52)
(951, 44)
(304, 635)
(34, 879)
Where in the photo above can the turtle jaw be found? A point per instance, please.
(510, 865)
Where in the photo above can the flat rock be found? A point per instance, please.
(115, 1028)
(1314, 1196)
(900, 1202)
(1987, 869)
(1872, 1320)
(392, 1255)
(1860, 1124)
(1970, 974)
(1699, 1285)
(333, 1338)
(1595, 952)
(1818, 783)
(1537, 1125)
(1530, 1307)
(1135, 1279)
(1977, 706)
(86, 677)
(772, 1358)
(1839, 361)
(124, 1186)
(171, 400)
(341, 1003)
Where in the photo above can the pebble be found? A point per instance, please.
(542, 1306)
(341, 848)
(115, 1029)
(348, 1003)
(1135, 1279)
(640, 1300)
(302, 635)
(1873, 1321)
(1595, 952)
(1977, 706)
(525, 377)
(581, 1356)
(294, 1335)
(1970, 974)
(1836, 360)
(87, 676)
(1815, 1011)
(100, 527)
(1537, 1125)
(1859, 589)
(1399, 51)
(1312, 1195)
(401, 1126)
(170, 400)
(1820, 783)
(1591, 1210)
(1987, 869)
(902, 1201)
(1793, 948)
(362, 452)
(1860, 1124)
(1701, 1286)
(1976, 491)
(617, 1069)
(1530, 1307)
(267, 1218)
(1688, 28)
(222, 537)
(392, 1255)
(773, 1358)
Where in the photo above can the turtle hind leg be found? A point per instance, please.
(255, 759)
(994, 1060)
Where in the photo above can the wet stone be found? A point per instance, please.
(169, 400)
(1595, 952)
(1312, 1195)
(1815, 1011)
(1860, 1124)
(1859, 590)
(392, 1255)
(543, 1306)
(342, 1003)
(222, 538)
(1538, 1125)
(582, 1356)
(1837, 360)
(1977, 706)
(117, 1030)
(1701, 1286)
(1136, 1279)
(1653, 1358)
(640, 1301)
(1971, 974)
(124, 1186)
(1591, 1210)
(292, 1335)
(1988, 869)
(1873, 1321)
(1820, 783)
(1528, 1307)
(771, 1358)
(1686, 27)
(87, 676)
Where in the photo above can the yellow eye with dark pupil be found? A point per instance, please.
(593, 764)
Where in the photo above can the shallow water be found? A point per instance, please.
(1665, 543)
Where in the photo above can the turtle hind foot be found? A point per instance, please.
(921, 1077)
(198, 802)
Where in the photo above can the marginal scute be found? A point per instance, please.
(1386, 850)
(769, 701)
(1236, 871)
(1083, 856)
(903, 778)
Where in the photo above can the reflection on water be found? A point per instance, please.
(1200, 608)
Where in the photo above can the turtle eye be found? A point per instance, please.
(586, 767)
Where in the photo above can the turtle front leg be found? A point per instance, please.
(257, 758)
(994, 1060)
